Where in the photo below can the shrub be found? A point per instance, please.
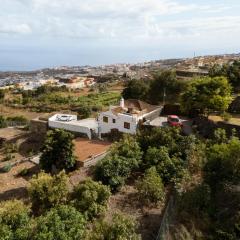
(14, 220)
(97, 108)
(156, 155)
(182, 233)
(151, 188)
(196, 200)
(220, 136)
(46, 191)
(169, 168)
(196, 157)
(125, 157)
(90, 198)
(223, 164)
(128, 148)
(20, 120)
(10, 148)
(60, 223)
(84, 112)
(6, 168)
(226, 116)
(3, 122)
(168, 137)
(121, 227)
(58, 151)
(23, 172)
(113, 170)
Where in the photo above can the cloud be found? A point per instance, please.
(115, 19)
(15, 28)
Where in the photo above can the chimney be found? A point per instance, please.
(122, 102)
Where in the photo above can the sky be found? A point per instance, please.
(47, 33)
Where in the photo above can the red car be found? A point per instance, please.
(174, 121)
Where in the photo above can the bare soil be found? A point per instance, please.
(85, 148)
(13, 186)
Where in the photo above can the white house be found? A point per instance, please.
(70, 123)
(125, 117)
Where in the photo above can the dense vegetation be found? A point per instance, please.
(201, 173)
(56, 213)
(207, 95)
(214, 200)
(13, 121)
(164, 86)
(231, 71)
(57, 151)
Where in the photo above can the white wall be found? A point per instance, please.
(119, 124)
(83, 126)
(120, 119)
(70, 127)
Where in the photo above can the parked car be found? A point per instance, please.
(174, 121)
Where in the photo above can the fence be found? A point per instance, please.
(164, 230)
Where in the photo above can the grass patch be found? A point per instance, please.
(235, 119)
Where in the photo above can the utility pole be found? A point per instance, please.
(164, 95)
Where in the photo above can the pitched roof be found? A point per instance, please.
(139, 105)
(134, 106)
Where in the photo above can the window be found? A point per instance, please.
(126, 125)
(105, 119)
(114, 120)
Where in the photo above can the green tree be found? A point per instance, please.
(168, 137)
(129, 148)
(113, 171)
(84, 111)
(136, 89)
(169, 168)
(233, 74)
(90, 198)
(206, 95)
(47, 191)
(231, 71)
(60, 223)
(125, 157)
(14, 220)
(218, 71)
(223, 165)
(58, 151)
(220, 136)
(164, 82)
(121, 227)
(151, 188)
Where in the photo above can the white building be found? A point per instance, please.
(70, 123)
(125, 118)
